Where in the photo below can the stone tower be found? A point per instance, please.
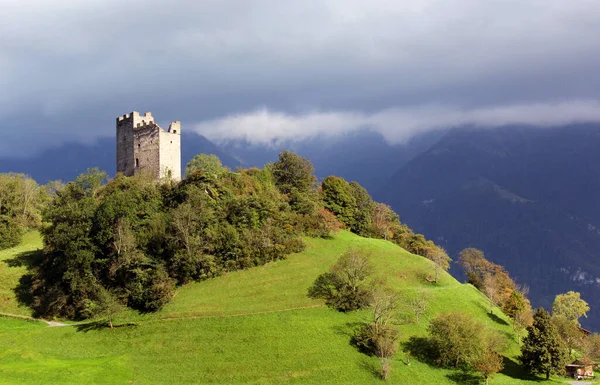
(143, 145)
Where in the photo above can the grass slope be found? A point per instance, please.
(12, 269)
(255, 326)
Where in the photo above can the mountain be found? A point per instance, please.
(71, 159)
(362, 156)
(526, 196)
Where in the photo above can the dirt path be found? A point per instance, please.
(27, 318)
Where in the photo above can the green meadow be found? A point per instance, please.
(255, 326)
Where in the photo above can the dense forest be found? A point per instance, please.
(131, 240)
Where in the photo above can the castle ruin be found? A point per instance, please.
(143, 146)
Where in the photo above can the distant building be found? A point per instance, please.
(582, 368)
(143, 146)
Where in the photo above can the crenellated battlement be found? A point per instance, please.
(175, 127)
(134, 115)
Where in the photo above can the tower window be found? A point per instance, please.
(137, 163)
(174, 131)
(139, 145)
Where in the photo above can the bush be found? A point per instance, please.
(347, 286)
(11, 233)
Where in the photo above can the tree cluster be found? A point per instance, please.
(133, 239)
(459, 341)
(21, 202)
(136, 239)
(494, 281)
(354, 207)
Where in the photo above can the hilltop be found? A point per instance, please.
(250, 326)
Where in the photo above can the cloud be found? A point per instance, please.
(397, 125)
(76, 65)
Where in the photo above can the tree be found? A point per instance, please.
(384, 221)
(543, 351)
(327, 223)
(363, 218)
(569, 332)
(591, 346)
(456, 339)
(474, 264)
(339, 198)
(488, 364)
(418, 303)
(441, 261)
(380, 337)
(459, 340)
(571, 306)
(490, 289)
(384, 303)
(209, 165)
(124, 245)
(21, 201)
(346, 287)
(518, 307)
(293, 171)
(105, 305)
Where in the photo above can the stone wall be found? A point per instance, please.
(143, 146)
(170, 154)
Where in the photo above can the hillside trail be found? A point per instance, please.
(60, 324)
(167, 318)
(27, 318)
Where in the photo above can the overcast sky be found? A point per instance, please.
(272, 70)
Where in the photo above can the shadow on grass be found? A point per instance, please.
(419, 348)
(514, 370)
(28, 259)
(492, 316)
(349, 329)
(23, 290)
(100, 325)
(370, 367)
(464, 378)
(497, 319)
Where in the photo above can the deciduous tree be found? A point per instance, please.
(339, 198)
(293, 171)
(418, 303)
(441, 261)
(456, 338)
(518, 307)
(570, 333)
(347, 286)
(209, 165)
(571, 306)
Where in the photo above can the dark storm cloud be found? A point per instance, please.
(281, 69)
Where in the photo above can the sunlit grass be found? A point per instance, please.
(255, 326)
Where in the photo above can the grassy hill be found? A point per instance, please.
(255, 326)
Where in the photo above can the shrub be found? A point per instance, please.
(347, 286)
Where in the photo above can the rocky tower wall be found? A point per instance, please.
(143, 146)
(170, 152)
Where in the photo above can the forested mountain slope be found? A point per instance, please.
(526, 196)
